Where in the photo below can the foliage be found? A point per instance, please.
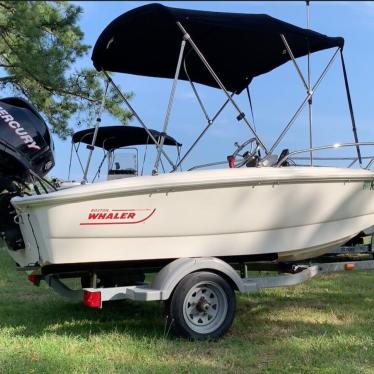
(40, 42)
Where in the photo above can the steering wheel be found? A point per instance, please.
(247, 156)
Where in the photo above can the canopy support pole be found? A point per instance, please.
(92, 145)
(220, 84)
(170, 105)
(137, 117)
(308, 97)
(70, 159)
(76, 149)
(210, 123)
(288, 48)
(110, 160)
(306, 83)
(99, 168)
(195, 92)
(310, 101)
(209, 120)
(354, 129)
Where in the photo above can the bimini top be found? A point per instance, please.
(146, 41)
(112, 137)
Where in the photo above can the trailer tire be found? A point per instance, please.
(202, 306)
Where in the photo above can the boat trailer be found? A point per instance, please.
(196, 272)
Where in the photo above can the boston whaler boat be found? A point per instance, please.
(194, 227)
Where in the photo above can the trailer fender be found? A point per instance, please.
(169, 276)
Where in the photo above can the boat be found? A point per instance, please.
(258, 206)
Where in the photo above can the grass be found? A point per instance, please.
(325, 325)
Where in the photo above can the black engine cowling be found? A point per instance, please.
(25, 141)
(26, 148)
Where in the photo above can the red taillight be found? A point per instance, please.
(34, 279)
(349, 267)
(92, 299)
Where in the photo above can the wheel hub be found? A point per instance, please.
(205, 307)
(202, 305)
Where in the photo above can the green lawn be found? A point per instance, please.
(325, 325)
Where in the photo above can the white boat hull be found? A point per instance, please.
(296, 213)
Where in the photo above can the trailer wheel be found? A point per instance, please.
(202, 306)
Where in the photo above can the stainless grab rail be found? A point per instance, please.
(331, 146)
(306, 150)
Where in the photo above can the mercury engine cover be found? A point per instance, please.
(25, 145)
(25, 141)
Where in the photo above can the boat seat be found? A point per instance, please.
(121, 173)
(284, 153)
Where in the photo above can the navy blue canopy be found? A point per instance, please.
(146, 41)
(112, 137)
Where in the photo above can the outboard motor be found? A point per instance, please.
(26, 151)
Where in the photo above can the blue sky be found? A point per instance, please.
(275, 96)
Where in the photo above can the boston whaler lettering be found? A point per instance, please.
(117, 216)
(195, 228)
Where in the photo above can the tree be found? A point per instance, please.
(39, 43)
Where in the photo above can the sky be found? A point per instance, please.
(275, 95)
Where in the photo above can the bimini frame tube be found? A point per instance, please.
(209, 120)
(70, 159)
(350, 106)
(288, 48)
(170, 105)
(92, 145)
(210, 123)
(195, 92)
(220, 84)
(309, 96)
(306, 84)
(99, 168)
(310, 101)
(138, 118)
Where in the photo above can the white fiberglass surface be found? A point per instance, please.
(224, 220)
(208, 178)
